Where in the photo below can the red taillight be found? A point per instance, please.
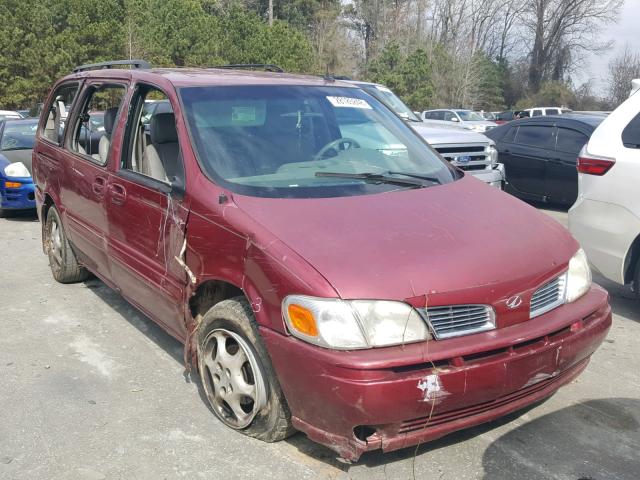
(594, 166)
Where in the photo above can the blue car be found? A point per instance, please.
(16, 145)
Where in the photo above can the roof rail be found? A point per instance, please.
(114, 63)
(268, 67)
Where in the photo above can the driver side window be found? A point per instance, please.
(151, 146)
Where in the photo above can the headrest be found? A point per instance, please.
(110, 119)
(163, 128)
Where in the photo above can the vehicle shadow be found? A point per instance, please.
(136, 318)
(623, 301)
(20, 216)
(595, 439)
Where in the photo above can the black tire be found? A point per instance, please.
(271, 422)
(64, 264)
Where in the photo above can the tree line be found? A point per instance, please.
(481, 54)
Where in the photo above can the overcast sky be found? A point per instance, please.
(626, 31)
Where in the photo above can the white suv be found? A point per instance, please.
(606, 216)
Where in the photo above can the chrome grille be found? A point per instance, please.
(548, 296)
(456, 320)
(475, 156)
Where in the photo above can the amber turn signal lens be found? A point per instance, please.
(302, 320)
(12, 184)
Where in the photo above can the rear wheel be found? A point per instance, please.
(64, 265)
(236, 373)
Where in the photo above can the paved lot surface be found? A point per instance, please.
(91, 389)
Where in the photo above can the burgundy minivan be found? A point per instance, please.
(326, 270)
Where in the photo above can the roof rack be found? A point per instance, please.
(114, 63)
(268, 67)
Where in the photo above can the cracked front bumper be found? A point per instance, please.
(394, 397)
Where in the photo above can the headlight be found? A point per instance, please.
(578, 277)
(16, 170)
(354, 324)
(479, 128)
(493, 153)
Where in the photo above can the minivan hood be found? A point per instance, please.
(445, 135)
(462, 242)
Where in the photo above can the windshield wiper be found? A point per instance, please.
(414, 175)
(373, 178)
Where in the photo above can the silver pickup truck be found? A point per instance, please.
(467, 150)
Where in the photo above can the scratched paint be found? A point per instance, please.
(431, 387)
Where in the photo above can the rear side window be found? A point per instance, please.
(96, 121)
(510, 136)
(536, 136)
(552, 111)
(631, 133)
(570, 141)
(57, 112)
(537, 113)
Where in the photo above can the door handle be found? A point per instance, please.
(118, 193)
(98, 186)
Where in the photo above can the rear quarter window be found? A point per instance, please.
(58, 111)
(570, 141)
(631, 133)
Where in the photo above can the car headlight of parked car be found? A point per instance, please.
(353, 324)
(479, 128)
(16, 169)
(492, 152)
(578, 277)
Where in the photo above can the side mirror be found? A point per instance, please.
(455, 119)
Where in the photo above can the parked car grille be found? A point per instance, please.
(466, 157)
(548, 296)
(456, 320)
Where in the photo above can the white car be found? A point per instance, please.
(544, 111)
(9, 115)
(467, 150)
(606, 216)
(466, 118)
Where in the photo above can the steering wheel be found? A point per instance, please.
(347, 142)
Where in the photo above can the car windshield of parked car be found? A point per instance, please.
(469, 116)
(393, 102)
(18, 135)
(282, 141)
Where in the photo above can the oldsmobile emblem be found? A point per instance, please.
(514, 302)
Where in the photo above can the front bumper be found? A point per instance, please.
(493, 177)
(21, 198)
(395, 397)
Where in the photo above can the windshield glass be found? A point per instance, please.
(389, 98)
(274, 140)
(469, 116)
(18, 136)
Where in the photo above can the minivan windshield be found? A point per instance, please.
(306, 141)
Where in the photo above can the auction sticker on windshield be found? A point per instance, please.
(348, 102)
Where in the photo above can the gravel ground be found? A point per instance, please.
(92, 389)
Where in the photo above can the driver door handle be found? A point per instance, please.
(118, 194)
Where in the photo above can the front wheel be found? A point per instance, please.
(236, 373)
(64, 265)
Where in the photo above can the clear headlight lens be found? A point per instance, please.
(578, 277)
(17, 169)
(354, 324)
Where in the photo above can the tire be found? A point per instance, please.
(236, 373)
(64, 265)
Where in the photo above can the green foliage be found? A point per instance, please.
(490, 84)
(409, 76)
(550, 94)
